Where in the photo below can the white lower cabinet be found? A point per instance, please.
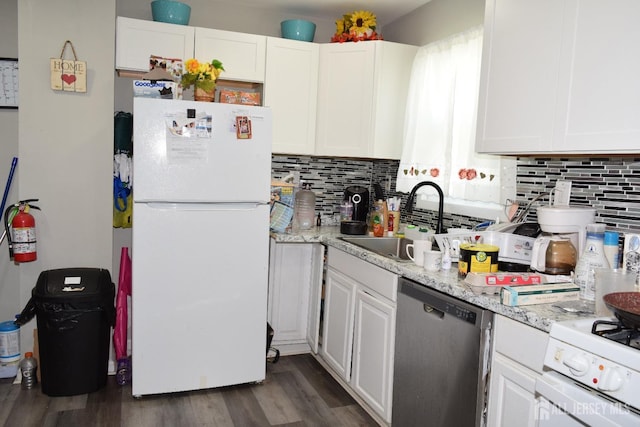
(337, 334)
(359, 328)
(516, 361)
(373, 348)
(295, 286)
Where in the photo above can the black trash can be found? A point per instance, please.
(75, 310)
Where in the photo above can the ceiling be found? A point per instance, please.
(386, 11)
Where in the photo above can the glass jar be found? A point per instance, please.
(560, 257)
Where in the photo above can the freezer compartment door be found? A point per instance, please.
(199, 296)
(221, 154)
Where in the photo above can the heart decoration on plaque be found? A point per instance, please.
(68, 75)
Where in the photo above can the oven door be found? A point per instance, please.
(562, 402)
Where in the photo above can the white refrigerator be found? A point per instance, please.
(200, 244)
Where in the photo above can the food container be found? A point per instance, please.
(491, 283)
(477, 258)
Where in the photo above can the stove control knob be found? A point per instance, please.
(577, 364)
(611, 380)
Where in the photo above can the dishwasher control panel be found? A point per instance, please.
(461, 313)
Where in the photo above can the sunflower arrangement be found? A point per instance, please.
(356, 26)
(202, 75)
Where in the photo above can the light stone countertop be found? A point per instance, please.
(540, 316)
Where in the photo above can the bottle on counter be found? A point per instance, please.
(446, 259)
(378, 218)
(28, 367)
(611, 249)
(592, 257)
(305, 207)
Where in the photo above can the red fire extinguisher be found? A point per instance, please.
(22, 236)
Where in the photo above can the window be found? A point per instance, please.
(440, 127)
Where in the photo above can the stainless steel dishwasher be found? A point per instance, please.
(441, 359)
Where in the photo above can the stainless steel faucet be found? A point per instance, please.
(409, 206)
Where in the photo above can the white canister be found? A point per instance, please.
(9, 342)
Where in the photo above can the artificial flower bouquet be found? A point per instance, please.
(356, 26)
(202, 75)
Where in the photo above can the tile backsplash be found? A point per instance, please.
(611, 185)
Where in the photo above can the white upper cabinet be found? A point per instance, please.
(362, 98)
(242, 55)
(558, 77)
(291, 90)
(137, 40)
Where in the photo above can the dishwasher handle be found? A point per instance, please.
(432, 310)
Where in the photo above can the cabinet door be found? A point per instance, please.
(600, 88)
(512, 400)
(345, 85)
(337, 331)
(393, 65)
(242, 55)
(521, 56)
(137, 40)
(289, 291)
(315, 297)
(291, 90)
(373, 350)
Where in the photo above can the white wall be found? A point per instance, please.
(66, 138)
(435, 20)
(9, 282)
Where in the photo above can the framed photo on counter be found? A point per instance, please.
(9, 83)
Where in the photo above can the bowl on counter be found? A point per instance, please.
(298, 29)
(171, 12)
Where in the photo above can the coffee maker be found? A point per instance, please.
(563, 236)
(358, 196)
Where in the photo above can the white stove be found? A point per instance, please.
(607, 371)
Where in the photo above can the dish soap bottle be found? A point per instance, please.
(592, 257)
(378, 219)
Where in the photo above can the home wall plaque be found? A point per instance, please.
(69, 75)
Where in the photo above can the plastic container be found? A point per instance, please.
(611, 249)
(170, 11)
(610, 280)
(418, 233)
(477, 258)
(298, 29)
(305, 207)
(9, 342)
(28, 368)
(592, 257)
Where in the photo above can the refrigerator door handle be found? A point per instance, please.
(218, 206)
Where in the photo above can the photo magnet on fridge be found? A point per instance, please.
(243, 127)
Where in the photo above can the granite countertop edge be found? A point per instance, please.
(539, 316)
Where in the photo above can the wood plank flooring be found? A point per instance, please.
(296, 392)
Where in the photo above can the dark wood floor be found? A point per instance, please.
(296, 392)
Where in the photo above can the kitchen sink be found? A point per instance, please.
(390, 247)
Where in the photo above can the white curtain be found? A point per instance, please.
(440, 127)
